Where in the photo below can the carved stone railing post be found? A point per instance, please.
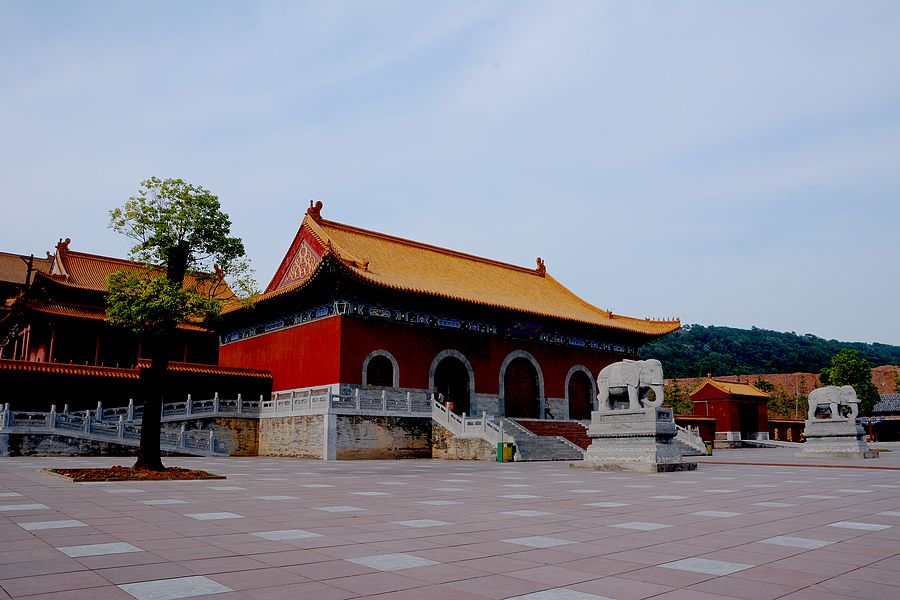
(87, 421)
(408, 402)
(51, 418)
(216, 403)
(65, 409)
(356, 397)
(120, 427)
(182, 436)
(188, 409)
(384, 400)
(212, 441)
(131, 409)
(240, 403)
(99, 414)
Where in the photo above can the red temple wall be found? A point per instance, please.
(303, 356)
(415, 348)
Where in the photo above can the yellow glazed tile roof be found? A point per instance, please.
(731, 387)
(410, 266)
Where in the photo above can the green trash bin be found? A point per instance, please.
(504, 451)
(709, 446)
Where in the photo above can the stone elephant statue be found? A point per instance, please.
(633, 377)
(834, 397)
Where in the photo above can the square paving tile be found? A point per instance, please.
(392, 562)
(214, 516)
(796, 542)
(607, 504)
(14, 507)
(560, 594)
(539, 541)
(422, 523)
(286, 534)
(706, 566)
(527, 513)
(640, 526)
(62, 524)
(98, 549)
(338, 509)
(162, 502)
(716, 513)
(859, 526)
(173, 589)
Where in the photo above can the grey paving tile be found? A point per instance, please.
(539, 541)
(214, 516)
(796, 542)
(707, 566)
(392, 562)
(98, 549)
(859, 526)
(286, 534)
(61, 524)
(173, 589)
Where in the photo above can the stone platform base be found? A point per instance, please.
(636, 467)
(838, 438)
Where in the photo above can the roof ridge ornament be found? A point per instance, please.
(541, 267)
(315, 211)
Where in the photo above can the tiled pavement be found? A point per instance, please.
(303, 529)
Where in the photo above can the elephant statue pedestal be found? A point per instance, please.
(832, 429)
(634, 440)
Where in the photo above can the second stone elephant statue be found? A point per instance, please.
(632, 377)
(834, 398)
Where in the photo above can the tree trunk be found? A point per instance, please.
(152, 387)
(153, 380)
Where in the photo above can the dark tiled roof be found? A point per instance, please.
(13, 268)
(889, 403)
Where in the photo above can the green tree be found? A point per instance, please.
(849, 368)
(189, 258)
(676, 397)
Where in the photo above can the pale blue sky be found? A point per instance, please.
(730, 163)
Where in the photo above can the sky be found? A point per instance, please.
(727, 163)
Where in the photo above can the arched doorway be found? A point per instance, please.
(580, 395)
(380, 371)
(451, 378)
(521, 390)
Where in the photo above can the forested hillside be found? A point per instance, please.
(697, 350)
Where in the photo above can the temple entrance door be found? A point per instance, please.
(521, 392)
(749, 421)
(451, 378)
(580, 391)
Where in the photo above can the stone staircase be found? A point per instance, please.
(574, 431)
(533, 447)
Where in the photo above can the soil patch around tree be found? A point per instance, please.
(119, 473)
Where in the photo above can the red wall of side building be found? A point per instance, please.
(302, 356)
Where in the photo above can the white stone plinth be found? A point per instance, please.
(835, 437)
(634, 440)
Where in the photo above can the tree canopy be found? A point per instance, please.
(849, 368)
(696, 350)
(189, 258)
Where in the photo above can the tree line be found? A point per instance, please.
(698, 350)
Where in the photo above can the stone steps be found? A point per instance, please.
(544, 448)
(574, 431)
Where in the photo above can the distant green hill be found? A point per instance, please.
(697, 350)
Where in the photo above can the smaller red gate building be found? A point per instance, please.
(740, 410)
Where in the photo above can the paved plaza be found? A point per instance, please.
(280, 528)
